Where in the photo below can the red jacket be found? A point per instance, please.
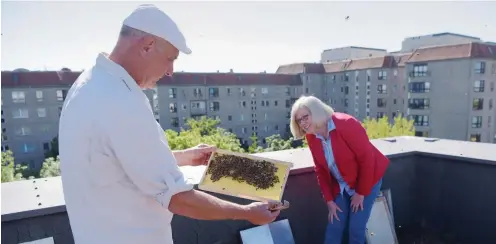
(358, 161)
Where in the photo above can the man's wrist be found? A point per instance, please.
(239, 212)
(179, 155)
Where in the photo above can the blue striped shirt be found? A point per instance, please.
(326, 144)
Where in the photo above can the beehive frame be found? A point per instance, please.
(232, 192)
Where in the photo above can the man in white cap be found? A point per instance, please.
(121, 181)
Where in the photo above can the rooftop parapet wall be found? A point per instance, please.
(432, 182)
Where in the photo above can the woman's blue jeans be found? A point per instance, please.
(356, 222)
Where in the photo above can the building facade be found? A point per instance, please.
(448, 90)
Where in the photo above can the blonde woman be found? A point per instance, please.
(349, 168)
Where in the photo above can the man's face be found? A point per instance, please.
(158, 57)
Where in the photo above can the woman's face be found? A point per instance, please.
(304, 119)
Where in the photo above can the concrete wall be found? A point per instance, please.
(448, 196)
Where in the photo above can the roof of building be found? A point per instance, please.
(435, 53)
(59, 78)
(443, 34)
(356, 47)
(459, 51)
(28, 198)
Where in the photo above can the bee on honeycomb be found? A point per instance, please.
(258, 173)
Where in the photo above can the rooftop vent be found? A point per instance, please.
(431, 139)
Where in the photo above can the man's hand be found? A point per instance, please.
(259, 214)
(194, 156)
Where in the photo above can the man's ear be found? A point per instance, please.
(147, 44)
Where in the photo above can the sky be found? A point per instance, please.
(243, 36)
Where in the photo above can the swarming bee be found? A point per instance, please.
(258, 173)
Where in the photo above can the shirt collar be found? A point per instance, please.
(118, 71)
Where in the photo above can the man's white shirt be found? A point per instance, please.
(118, 172)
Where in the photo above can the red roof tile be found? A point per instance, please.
(55, 78)
(468, 50)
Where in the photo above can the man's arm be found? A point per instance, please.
(199, 205)
(145, 156)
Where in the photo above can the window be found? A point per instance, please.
(184, 106)
(419, 120)
(368, 75)
(490, 104)
(381, 102)
(266, 116)
(266, 129)
(228, 91)
(479, 86)
(213, 92)
(46, 146)
(419, 87)
(242, 104)
(346, 90)
(382, 75)
(61, 95)
(175, 122)
(480, 67)
(380, 114)
(241, 117)
(39, 96)
(395, 72)
(306, 90)
(276, 128)
(422, 133)
(45, 128)
(242, 92)
(275, 103)
(382, 89)
(243, 130)
(28, 148)
(265, 90)
(18, 97)
(23, 131)
(491, 86)
(197, 92)
(172, 92)
(60, 111)
(214, 106)
(198, 105)
(5, 148)
(475, 137)
(41, 112)
(173, 107)
(418, 103)
(346, 77)
(476, 121)
(288, 103)
(419, 70)
(229, 118)
(477, 104)
(20, 113)
(287, 91)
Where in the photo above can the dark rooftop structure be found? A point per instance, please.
(440, 188)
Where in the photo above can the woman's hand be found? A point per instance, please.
(356, 202)
(333, 208)
(194, 156)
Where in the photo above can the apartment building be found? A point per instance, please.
(31, 107)
(447, 90)
(245, 104)
(367, 87)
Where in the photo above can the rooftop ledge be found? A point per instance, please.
(31, 198)
(438, 187)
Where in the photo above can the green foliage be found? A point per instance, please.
(381, 128)
(204, 130)
(50, 167)
(54, 148)
(13, 172)
(277, 143)
(254, 147)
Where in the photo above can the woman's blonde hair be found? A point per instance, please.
(319, 111)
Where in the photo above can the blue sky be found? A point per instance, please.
(243, 36)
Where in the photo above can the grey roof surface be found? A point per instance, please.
(28, 198)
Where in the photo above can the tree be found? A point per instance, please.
(204, 130)
(277, 143)
(50, 167)
(254, 147)
(14, 172)
(54, 148)
(381, 128)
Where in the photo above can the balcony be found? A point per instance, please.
(440, 188)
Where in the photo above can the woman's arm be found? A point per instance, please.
(356, 137)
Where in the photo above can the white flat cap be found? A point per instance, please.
(152, 20)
